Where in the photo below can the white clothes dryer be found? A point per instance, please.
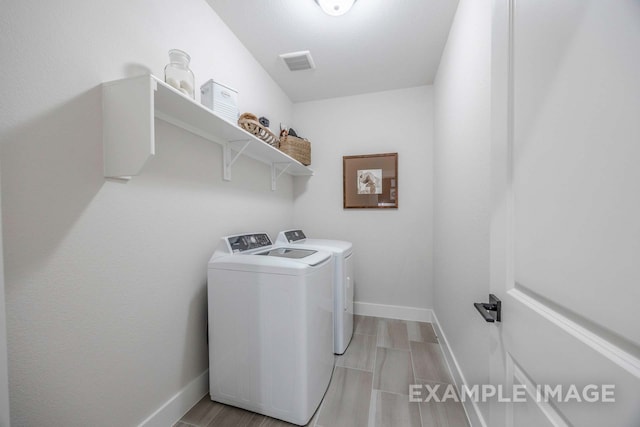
(344, 281)
(270, 326)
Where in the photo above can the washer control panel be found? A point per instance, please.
(247, 242)
(294, 235)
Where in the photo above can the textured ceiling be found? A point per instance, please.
(379, 45)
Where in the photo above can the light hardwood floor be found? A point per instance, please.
(370, 384)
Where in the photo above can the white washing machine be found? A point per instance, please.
(344, 281)
(270, 327)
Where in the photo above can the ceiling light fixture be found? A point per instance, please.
(335, 7)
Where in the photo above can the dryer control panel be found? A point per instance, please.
(294, 235)
(248, 242)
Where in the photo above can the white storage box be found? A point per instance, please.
(221, 99)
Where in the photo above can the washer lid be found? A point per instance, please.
(263, 263)
(294, 253)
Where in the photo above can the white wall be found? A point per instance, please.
(393, 260)
(462, 175)
(106, 281)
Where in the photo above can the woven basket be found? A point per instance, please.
(255, 128)
(299, 149)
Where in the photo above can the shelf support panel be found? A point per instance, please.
(228, 157)
(275, 174)
(128, 132)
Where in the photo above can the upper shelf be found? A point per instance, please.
(129, 108)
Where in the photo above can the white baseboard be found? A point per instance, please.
(470, 406)
(169, 413)
(393, 311)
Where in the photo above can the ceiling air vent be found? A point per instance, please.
(297, 61)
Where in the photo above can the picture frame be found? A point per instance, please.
(370, 181)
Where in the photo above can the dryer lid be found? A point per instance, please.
(339, 246)
(297, 237)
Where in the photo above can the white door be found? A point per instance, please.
(566, 210)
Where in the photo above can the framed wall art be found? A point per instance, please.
(370, 181)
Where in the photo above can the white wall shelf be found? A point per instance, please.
(128, 110)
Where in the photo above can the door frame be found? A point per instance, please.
(501, 196)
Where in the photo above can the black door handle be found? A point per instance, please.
(492, 311)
